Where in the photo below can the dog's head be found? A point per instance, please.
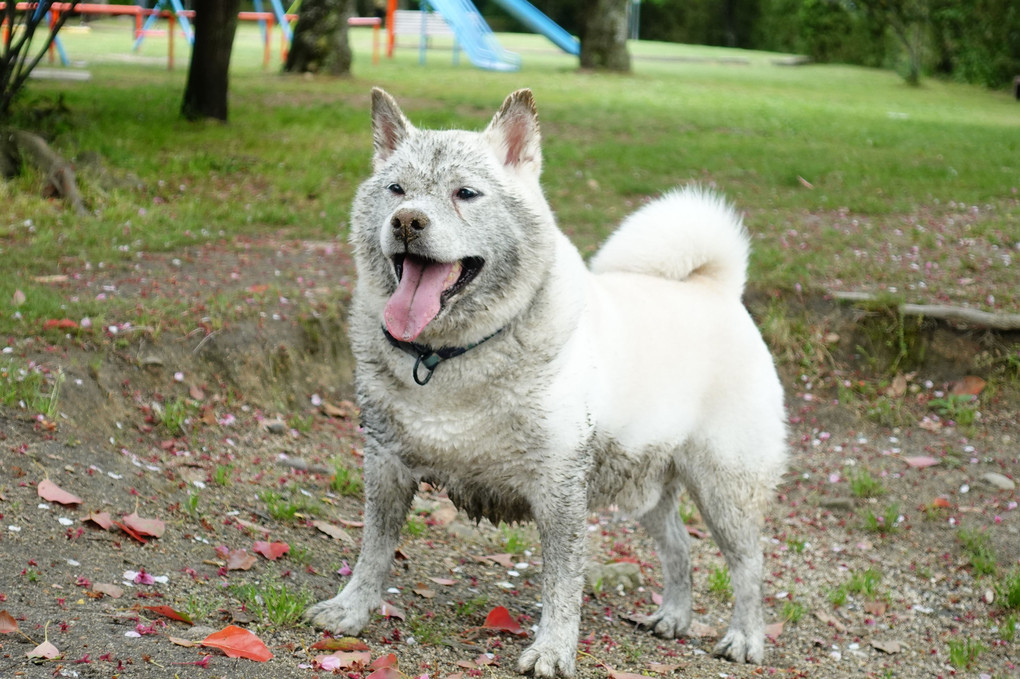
(452, 227)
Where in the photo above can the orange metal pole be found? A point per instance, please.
(53, 22)
(375, 43)
(170, 45)
(265, 46)
(391, 9)
(138, 23)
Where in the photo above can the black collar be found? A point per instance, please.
(428, 357)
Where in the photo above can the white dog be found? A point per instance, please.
(492, 362)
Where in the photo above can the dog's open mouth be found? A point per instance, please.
(423, 287)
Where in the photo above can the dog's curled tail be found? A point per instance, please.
(689, 234)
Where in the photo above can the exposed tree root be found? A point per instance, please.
(953, 314)
(18, 146)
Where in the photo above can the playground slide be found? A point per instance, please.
(533, 18)
(474, 36)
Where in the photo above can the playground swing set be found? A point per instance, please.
(459, 19)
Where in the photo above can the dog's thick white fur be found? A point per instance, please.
(622, 383)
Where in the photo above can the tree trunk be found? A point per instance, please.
(604, 36)
(320, 38)
(205, 95)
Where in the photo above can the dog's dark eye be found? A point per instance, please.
(467, 193)
(396, 189)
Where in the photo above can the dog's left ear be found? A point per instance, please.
(389, 125)
(514, 132)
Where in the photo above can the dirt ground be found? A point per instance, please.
(255, 366)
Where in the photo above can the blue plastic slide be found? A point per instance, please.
(474, 35)
(533, 18)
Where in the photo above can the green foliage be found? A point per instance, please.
(960, 408)
(345, 480)
(415, 527)
(28, 387)
(863, 583)
(964, 652)
(1008, 591)
(792, 611)
(273, 602)
(470, 607)
(286, 507)
(884, 523)
(719, 582)
(978, 550)
(514, 538)
(863, 484)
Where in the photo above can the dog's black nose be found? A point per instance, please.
(408, 224)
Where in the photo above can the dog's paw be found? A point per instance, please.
(341, 614)
(668, 623)
(547, 659)
(741, 647)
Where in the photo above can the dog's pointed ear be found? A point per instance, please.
(514, 133)
(389, 126)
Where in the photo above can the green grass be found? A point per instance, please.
(890, 167)
(862, 583)
(288, 507)
(863, 484)
(964, 652)
(275, 603)
(346, 481)
(885, 523)
(979, 551)
(719, 582)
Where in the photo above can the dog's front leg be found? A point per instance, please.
(389, 489)
(560, 514)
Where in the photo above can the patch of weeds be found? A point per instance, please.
(514, 538)
(888, 340)
(415, 526)
(793, 611)
(283, 508)
(426, 629)
(884, 524)
(978, 550)
(201, 607)
(1008, 591)
(273, 602)
(175, 415)
(1007, 630)
(719, 582)
(688, 513)
(302, 556)
(963, 652)
(301, 423)
(223, 475)
(27, 387)
(191, 504)
(471, 606)
(346, 481)
(796, 545)
(960, 408)
(887, 411)
(863, 583)
(863, 484)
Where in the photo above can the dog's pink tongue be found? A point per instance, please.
(416, 301)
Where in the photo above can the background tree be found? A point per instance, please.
(205, 95)
(604, 36)
(320, 42)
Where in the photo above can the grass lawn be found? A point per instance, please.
(850, 179)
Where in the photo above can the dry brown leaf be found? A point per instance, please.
(970, 385)
(112, 591)
(335, 532)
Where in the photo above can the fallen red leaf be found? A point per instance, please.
(970, 385)
(130, 531)
(942, 502)
(500, 620)
(613, 674)
(444, 581)
(344, 660)
(774, 629)
(238, 642)
(151, 527)
(921, 461)
(389, 660)
(101, 519)
(51, 492)
(662, 668)
(240, 560)
(388, 610)
(7, 623)
(59, 324)
(385, 673)
(170, 613)
(271, 550)
(341, 644)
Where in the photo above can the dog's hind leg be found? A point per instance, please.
(673, 545)
(732, 503)
(389, 489)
